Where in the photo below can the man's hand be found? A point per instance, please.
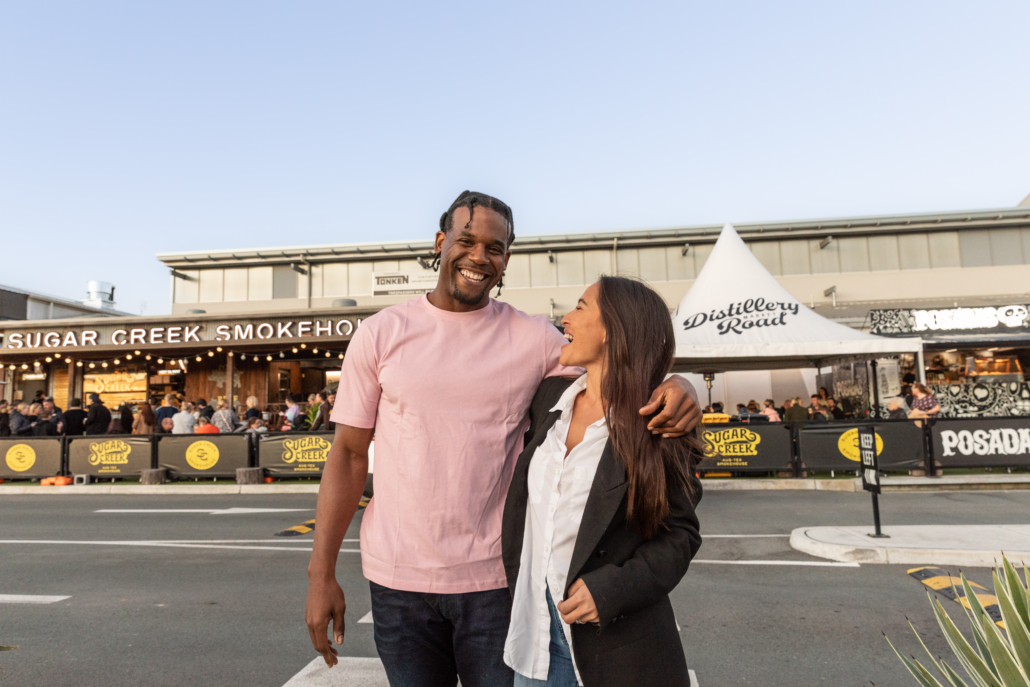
(579, 606)
(325, 603)
(680, 410)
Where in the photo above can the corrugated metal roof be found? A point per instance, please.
(751, 231)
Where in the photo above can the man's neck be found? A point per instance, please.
(440, 299)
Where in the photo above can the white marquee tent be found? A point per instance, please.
(736, 316)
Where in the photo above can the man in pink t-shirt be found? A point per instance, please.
(445, 381)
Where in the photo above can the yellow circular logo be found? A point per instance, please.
(20, 457)
(848, 445)
(202, 455)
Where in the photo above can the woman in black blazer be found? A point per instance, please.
(637, 530)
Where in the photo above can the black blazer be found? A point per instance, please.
(630, 577)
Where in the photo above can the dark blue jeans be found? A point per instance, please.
(430, 640)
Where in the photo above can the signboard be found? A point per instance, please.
(30, 458)
(832, 446)
(985, 442)
(751, 447)
(929, 323)
(101, 456)
(867, 451)
(292, 453)
(203, 455)
(403, 283)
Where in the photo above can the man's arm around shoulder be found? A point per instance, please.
(343, 481)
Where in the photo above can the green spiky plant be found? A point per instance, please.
(1001, 658)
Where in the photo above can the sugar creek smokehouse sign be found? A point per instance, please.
(738, 317)
(124, 335)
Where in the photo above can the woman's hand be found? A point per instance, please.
(680, 411)
(579, 607)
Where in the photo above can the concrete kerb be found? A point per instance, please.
(958, 545)
(160, 489)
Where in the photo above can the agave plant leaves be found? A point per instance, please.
(1018, 591)
(974, 612)
(922, 676)
(1008, 669)
(1019, 636)
(970, 660)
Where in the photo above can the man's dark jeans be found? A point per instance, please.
(430, 640)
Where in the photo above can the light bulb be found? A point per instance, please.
(49, 359)
(68, 360)
(218, 348)
(315, 351)
(341, 356)
(210, 354)
(269, 358)
(198, 358)
(327, 354)
(282, 355)
(78, 364)
(160, 361)
(92, 365)
(303, 345)
(294, 350)
(229, 354)
(24, 366)
(148, 356)
(243, 356)
(103, 364)
(136, 352)
(116, 361)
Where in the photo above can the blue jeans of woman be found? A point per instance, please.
(560, 672)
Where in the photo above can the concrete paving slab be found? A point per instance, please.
(961, 545)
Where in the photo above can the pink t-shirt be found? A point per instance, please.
(448, 394)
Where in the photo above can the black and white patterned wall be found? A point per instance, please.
(995, 399)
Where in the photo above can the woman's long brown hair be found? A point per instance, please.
(640, 346)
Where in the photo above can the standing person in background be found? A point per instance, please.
(165, 427)
(75, 418)
(225, 419)
(292, 412)
(796, 412)
(21, 425)
(98, 420)
(34, 411)
(56, 416)
(312, 400)
(202, 409)
(183, 422)
(835, 411)
(145, 422)
(5, 419)
(923, 402)
(324, 408)
(252, 408)
(125, 419)
(44, 425)
(167, 409)
(770, 410)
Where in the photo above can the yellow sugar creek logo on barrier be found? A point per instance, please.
(848, 445)
(202, 455)
(21, 457)
(114, 452)
(306, 450)
(736, 441)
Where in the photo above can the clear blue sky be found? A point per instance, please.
(133, 128)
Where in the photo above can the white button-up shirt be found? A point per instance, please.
(558, 491)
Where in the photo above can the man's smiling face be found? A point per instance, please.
(473, 257)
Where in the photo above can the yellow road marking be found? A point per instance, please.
(947, 585)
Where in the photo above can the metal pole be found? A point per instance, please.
(876, 518)
(920, 367)
(876, 393)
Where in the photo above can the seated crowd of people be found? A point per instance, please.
(175, 415)
(916, 402)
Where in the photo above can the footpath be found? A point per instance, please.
(944, 483)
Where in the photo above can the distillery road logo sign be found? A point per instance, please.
(306, 450)
(1003, 441)
(20, 457)
(849, 448)
(734, 441)
(202, 455)
(112, 452)
(738, 317)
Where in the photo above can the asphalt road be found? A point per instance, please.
(182, 615)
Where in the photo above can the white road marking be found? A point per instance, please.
(816, 564)
(741, 536)
(30, 599)
(367, 672)
(166, 544)
(367, 618)
(212, 511)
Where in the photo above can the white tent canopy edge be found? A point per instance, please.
(736, 316)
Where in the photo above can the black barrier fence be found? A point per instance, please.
(110, 455)
(203, 455)
(751, 447)
(900, 445)
(295, 454)
(981, 442)
(31, 457)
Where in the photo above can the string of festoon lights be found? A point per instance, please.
(93, 363)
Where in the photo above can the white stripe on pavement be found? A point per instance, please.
(30, 599)
(816, 564)
(212, 511)
(167, 544)
(367, 672)
(367, 618)
(741, 536)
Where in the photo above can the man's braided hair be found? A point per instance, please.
(471, 200)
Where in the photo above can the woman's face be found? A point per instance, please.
(584, 331)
